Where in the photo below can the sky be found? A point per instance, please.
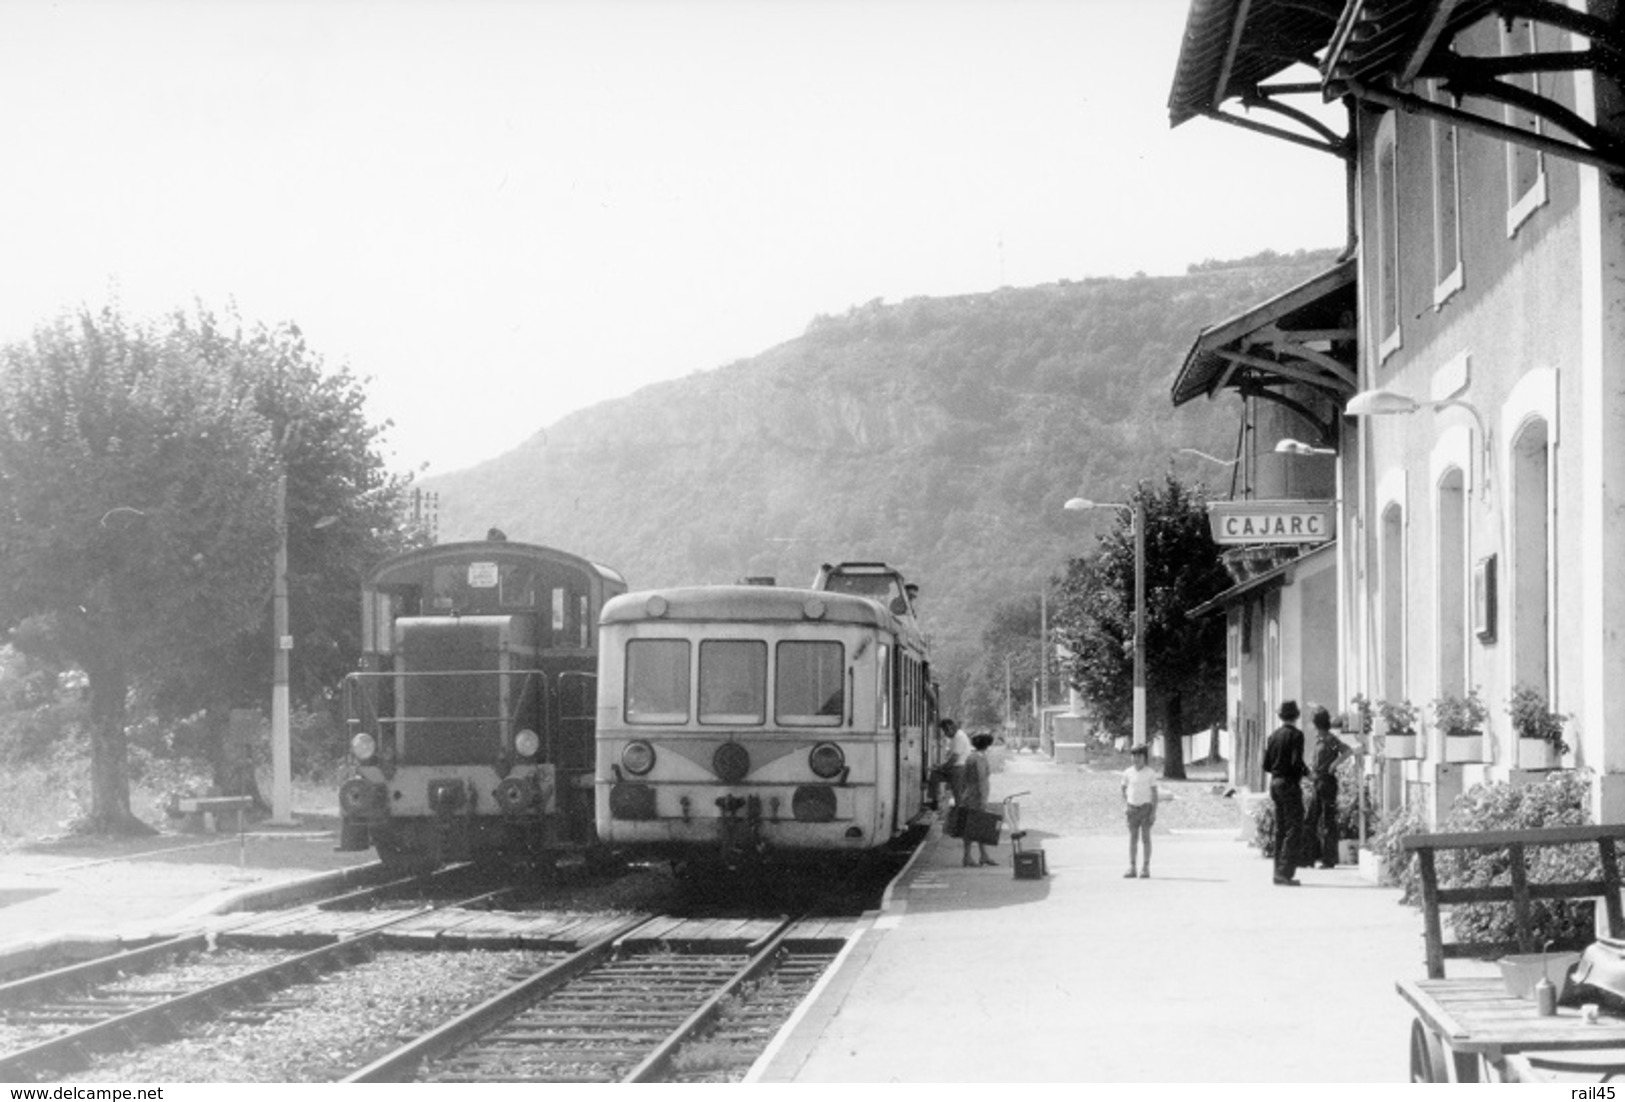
(501, 212)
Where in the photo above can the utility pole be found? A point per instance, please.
(281, 751)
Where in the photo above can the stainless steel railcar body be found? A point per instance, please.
(741, 723)
(471, 721)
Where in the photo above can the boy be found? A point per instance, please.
(1140, 796)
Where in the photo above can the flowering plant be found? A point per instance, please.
(1532, 717)
(1457, 715)
(1398, 717)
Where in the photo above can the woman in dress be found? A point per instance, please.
(976, 792)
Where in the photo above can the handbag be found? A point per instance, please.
(954, 827)
(982, 826)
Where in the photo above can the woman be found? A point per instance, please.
(975, 789)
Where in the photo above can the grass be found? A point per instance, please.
(44, 800)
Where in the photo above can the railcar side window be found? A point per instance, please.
(810, 690)
(733, 681)
(657, 681)
(883, 680)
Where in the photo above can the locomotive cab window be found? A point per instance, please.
(657, 681)
(810, 690)
(733, 681)
(517, 586)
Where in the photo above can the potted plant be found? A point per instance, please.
(1539, 729)
(1398, 728)
(1356, 722)
(1462, 720)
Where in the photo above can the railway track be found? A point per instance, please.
(58, 1019)
(440, 978)
(658, 1000)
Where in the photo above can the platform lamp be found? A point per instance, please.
(1136, 514)
(1383, 402)
(1290, 446)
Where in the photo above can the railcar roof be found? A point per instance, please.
(441, 552)
(748, 603)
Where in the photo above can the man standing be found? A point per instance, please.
(959, 749)
(1328, 753)
(1283, 762)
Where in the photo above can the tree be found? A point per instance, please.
(342, 510)
(1184, 657)
(1008, 662)
(135, 516)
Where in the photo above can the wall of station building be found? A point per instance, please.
(1509, 504)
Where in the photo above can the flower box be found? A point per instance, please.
(1465, 746)
(1396, 747)
(1537, 753)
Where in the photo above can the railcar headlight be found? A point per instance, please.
(363, 746)
(638, 758)
(526, 743)
(826, 760)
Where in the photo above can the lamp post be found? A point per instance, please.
(1137, 518)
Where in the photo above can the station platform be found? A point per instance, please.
(1206, 972)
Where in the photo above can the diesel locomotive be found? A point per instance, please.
(471, 719)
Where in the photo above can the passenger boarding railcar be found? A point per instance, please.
(750, 723)
(471, 722)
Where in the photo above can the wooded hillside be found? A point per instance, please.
(940, 435)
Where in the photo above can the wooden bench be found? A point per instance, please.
(1520, 892)
(201, 810)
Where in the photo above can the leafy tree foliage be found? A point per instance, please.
(138, 468)
(341, 507)
(1184, 657)
(135, 519)
(1007, 662)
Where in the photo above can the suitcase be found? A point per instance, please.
(982, 826)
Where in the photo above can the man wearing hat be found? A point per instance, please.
(1283, 763)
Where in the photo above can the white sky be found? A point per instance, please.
(505, 211)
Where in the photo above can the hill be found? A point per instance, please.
(941, 435)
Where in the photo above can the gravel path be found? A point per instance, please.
(1073, 800)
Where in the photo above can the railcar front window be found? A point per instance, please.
(733, 681)
(811, 686)
(657, 681)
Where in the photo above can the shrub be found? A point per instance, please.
(1398, 867)
(1348, 807)
(1560, 799)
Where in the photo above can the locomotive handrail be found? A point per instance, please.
(356, 683)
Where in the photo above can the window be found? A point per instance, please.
(1526, 166)
(811, 686)
(1447, 273)
(883, 683)
(517, 586)
(733, 681)
(1451, 588)
(578, 695)
(1387, 239)
(657, 681)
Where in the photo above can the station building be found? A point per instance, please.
(1451, 390)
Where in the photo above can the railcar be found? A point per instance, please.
(756, 724)
(471, 718)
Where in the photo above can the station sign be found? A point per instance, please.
(1248, 522)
